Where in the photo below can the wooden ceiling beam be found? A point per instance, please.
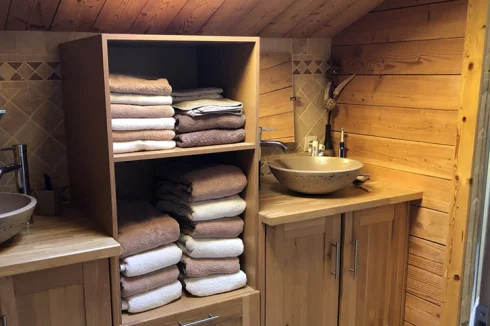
(76, 15)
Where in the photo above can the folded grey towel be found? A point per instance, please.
(208, 106)
(185, 123)
(210, 137)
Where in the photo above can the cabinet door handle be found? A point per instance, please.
(4, 320)
(336, 245)
(200, 322)
(356, 246)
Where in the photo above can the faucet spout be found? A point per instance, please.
(9, 168)
(274, 143)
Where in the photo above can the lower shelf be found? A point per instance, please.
(188, 304)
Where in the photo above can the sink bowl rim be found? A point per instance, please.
(30, 205)
(274, 166)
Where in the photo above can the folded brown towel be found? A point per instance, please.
(139, 111)
(143, 228)
(210, 137)
(119, 136)
(185, 123)
(194, 267)
(228, 227)
(210, 182)
(139, 284)
(119, 83)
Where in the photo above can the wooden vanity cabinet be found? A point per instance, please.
(346, 270)
(75, 295)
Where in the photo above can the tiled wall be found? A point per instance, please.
(309, 65)
(30, 92)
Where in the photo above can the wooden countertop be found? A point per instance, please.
(279, 205)
(53, 242)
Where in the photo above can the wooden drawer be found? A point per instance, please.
(231, 310)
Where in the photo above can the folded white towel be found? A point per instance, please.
(143, 124)
(142, 145)
(204, 210)
(214, 284)
(197, 91)
(209, 106)
(176, 99)
(136, 99)
(150, 261)
(153, 299)
(210, 248)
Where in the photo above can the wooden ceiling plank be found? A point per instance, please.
(42, 14)
(396, 4)
(18, 15)
(4, 9)
(193, 16)
(223, 20)
(346, 18)
(317, 18)
(259, 17)
(76, 15)
(294, 15)
(117, 16)
(156, 16)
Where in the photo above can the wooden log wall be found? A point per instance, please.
(400, 114)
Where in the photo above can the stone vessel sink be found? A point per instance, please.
(315, 174)
(15, 211)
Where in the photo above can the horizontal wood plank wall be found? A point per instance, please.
(400, 115)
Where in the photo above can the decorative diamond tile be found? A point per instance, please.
(32, 135)
(47, 116)
(53, 65)
(28, 100)
(25, 71)
(8, 93)
(16, 76)
(6, 71)
(318, 72)
(13, 120)
(35, 76)
(54, 76)
(44, 70)
(15, 65)
(296, 72)
(307, 72)
(302, 67)
(34, 65)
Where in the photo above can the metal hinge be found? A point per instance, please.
(481, 316)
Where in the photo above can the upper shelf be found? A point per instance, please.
(280, 206)
(55, 241)
(177, 152)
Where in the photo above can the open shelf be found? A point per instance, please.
(184, 304)
(178, 152)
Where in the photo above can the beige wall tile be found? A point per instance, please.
(31, 42)
(300, 46)
(283, 45)
(8, 43)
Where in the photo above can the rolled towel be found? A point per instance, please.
(143, 124)
(143, 228)
(210, 248)
(209, 106)
(185, 123)
(197, 91)
(177, 99)
(193, 267)
(214, 284)
(153, 299)
(136, 99)
(210, 137)
(147, 282)
(122, 136)
(203, 210)
(120, 83)
(139, 111)
(198, 184)
(150, 261)
(228, 227)
(142, 145)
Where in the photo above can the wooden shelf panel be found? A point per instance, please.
(184, 304)
(177, 152)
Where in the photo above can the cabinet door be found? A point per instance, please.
(302, 273)
(75, 295)
(374, 266)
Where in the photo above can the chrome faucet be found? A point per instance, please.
(271, 143)
(21, 168)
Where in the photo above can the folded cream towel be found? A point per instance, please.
(142, 145)
(119, 83)
(139, 111)
(136, 99)
(150, 261)
(132, 135)
(203, 210)
(143, 283)
(153, 299)
(197, 91)
(209, 106)
(210, 285)
(210, 248)
(143, 124)
(176, 99)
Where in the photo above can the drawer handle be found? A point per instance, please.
(356, 246)
(200, 322)
(337, 259)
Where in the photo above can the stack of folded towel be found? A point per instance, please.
(207, 205)
(142, 115)
(205, 118)
(149, 256)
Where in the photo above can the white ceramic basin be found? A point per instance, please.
(315, 174)
(15, 211)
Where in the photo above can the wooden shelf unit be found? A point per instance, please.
(97, 175)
